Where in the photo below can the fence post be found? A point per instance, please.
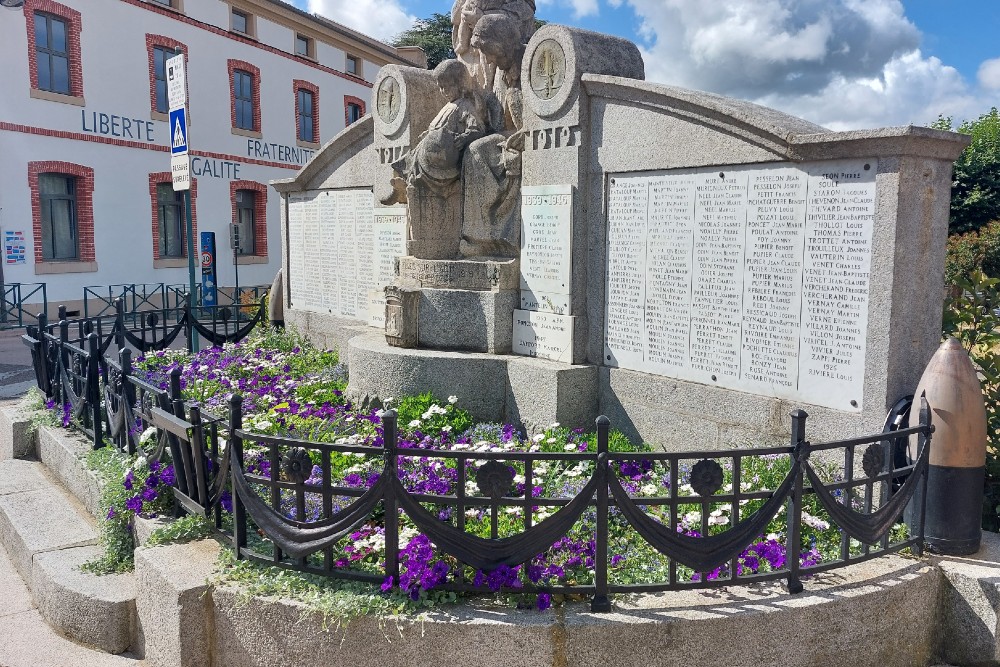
(177, 407)
(388, 419)
(601, 602)
(120, 323)
(188, 328)
(63, 354)
(43, 351)
(236, 459)
(94, 387)
(794, 547)
(128, 394)
(62, 312)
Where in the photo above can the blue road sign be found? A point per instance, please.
(178, 132)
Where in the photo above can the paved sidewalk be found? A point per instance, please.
(27, 641)
(16, 374)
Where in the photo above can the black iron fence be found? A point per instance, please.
(75, 368)
(489, 514)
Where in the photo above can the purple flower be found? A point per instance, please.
(149, 495)
(167, 475)
(129, 480)
(387, 584)
(134, 504)
(226, 500)
(544, 601)
(111, 512)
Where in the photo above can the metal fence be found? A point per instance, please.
(18, 299)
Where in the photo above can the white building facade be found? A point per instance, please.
(85, 188)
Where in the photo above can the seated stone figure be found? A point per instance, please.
(465, 14)
(435, 163)
(491, 169)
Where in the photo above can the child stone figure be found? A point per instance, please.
(465, 14)
(436, 161)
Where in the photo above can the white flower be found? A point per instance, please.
(415, 423)
(814, 521)
(446, 429)
(141, 462)
(554, 425)
(773, 536)
(569, 447)
(538, 438)
(148, 435)
(649, 489)
(717, 520)
(550, 440)
(453, 399)
(264, 424)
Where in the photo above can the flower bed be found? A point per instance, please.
(292, 389)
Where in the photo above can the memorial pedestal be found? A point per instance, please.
(520, 390)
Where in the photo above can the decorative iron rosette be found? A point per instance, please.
(873, 460)
(297, 465)
(706, 477)
(494, 479)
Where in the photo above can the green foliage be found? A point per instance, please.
(973, 251)
(187, 528)
(433, 35)
(117, 472)
(970, 315)
(975, 192)
(431, 416)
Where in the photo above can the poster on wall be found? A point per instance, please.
(14, 247)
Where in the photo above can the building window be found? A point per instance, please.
(249, 200)
(353, 66)
(161, 55)
(354, 109)
(62, 212)
(306, 112)
(244, 91)
(57, 193)
(170, 212)
(54, 51)
(165, 3)
(246, 204)
(161, 49)
(243, 99)
(303, 46)
(169, 223)
(242, 22)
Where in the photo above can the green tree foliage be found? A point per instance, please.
(433, 35)
(975, 192)
(973, 251)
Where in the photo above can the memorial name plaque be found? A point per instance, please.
(390, 245)
(546, 247)
(339, 251)
(749, 278)
(543, 335)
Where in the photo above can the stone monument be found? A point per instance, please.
(561, 239)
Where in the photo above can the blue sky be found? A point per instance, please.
(841, 63)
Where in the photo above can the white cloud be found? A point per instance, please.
(580, 8)
(381, 19)
(989, 74)
(840, 63)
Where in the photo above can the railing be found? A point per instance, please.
(17, 298)
(289, 498)
(74, 367)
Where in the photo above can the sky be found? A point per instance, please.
(844, 64)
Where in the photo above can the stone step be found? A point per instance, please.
(64, 454)
(48, 535)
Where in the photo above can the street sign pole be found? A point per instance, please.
(180, 167)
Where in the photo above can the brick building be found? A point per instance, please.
(85, 194)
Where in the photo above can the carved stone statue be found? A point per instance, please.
(491, 169)
(465, 15)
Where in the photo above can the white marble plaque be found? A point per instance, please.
(543, 335)
(390, 245)
(545, 302)
(546, 243)
(341, 250)
(746, 277)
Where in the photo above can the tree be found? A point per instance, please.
(975, 191)
(433, 35)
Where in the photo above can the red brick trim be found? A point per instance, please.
(153, 41)
(350, 99)
(156, 179)
(298, 84)
(84, 206)
(254, 72)
(74, 28)
(125, 143)
(143, 4)
(259, 215)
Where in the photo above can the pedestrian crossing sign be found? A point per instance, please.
(178, 132)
